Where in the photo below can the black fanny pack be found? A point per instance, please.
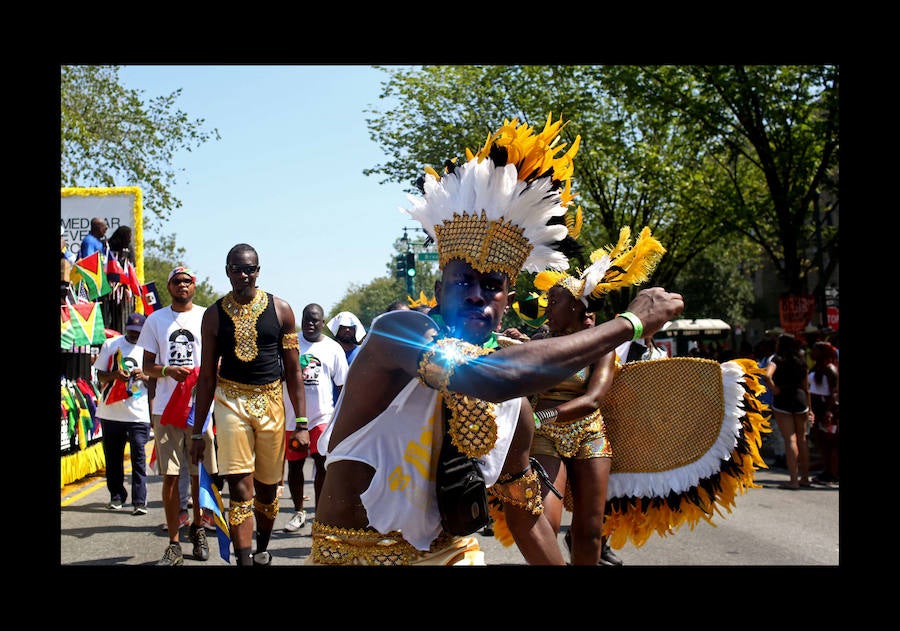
(461, 492)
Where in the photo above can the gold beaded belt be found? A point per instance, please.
(355, 546)
(257, 395)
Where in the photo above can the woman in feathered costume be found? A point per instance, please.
(571, 442)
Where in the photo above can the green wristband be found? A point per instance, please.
(163, 371)
(636, 323)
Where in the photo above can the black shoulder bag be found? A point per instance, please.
(461, 492)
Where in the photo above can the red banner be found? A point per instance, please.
(796, 312)
(833, 316)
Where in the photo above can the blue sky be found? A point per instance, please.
(286, 176)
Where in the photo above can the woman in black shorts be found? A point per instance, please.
(787, 373)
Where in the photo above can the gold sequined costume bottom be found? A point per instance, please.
(353, 546)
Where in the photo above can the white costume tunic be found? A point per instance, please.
(402, 445)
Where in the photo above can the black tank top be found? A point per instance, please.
(266, 367)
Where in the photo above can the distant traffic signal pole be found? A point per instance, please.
(410, 266)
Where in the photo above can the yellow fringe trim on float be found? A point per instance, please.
(81, 464)
(635, 519)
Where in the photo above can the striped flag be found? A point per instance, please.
(211, 500)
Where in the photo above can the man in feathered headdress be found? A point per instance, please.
(504, 210)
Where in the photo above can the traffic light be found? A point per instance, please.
(400, 269)
(410, 264)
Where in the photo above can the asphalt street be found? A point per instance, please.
(768, 527)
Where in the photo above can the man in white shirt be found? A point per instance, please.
(172, 349)
(124, 413)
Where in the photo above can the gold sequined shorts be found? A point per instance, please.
(250, 430)
(582, 439)
(354, 546)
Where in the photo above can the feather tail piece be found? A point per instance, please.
(634, 518)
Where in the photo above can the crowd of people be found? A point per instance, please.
(234, 389)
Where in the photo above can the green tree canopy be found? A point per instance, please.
(650, 153)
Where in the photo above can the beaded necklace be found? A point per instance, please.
(244, 317)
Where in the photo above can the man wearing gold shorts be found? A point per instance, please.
(251, 336)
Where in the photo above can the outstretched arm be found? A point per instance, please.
(524, 369)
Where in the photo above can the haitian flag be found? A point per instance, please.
(131, 279)
(92, 271)
(212, 501)
(115, 273)
(150, 298)
(87, 323)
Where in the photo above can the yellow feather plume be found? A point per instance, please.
(574, 220)
(629, 265)
(547, 279)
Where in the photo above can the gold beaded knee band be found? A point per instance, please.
(290, 340)
(239, 511)
(269, 510)
(523, 491)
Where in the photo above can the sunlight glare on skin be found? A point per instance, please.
(449, 354)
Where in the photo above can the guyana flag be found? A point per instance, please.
(87, 323)
(67, 333)
(92, 272)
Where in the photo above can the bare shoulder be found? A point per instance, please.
(399, 327)
(281, 303)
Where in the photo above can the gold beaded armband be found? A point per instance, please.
(291, 341)
(440, 359)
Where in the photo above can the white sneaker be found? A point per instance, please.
(296, 522)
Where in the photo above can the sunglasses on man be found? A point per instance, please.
(243, 269)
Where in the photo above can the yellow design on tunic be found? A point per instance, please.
(244, 318)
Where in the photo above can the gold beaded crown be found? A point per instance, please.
(493, 211)
(612, 267)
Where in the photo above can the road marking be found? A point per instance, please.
(66, 499)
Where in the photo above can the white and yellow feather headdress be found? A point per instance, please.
(612, 267)
(492, 211)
